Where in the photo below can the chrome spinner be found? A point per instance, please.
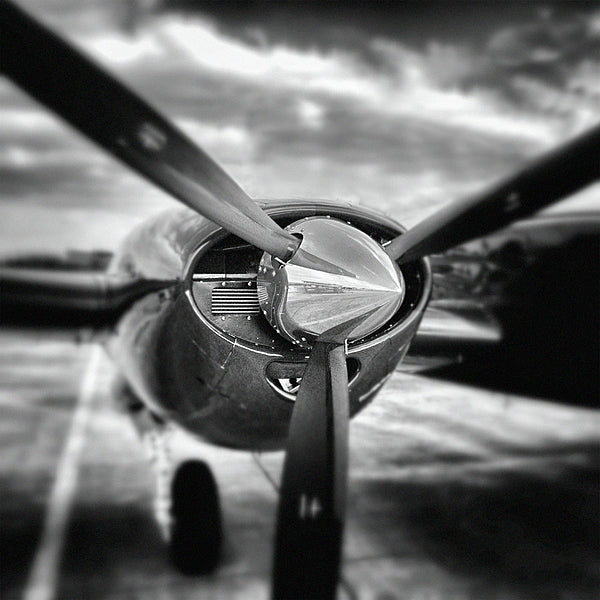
(305, 301)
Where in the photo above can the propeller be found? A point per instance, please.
(311, 505)
(548, 179)
(313, 491)
(312, 499)
(311, 510)
(103, 109)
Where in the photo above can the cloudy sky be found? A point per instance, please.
(398, 106)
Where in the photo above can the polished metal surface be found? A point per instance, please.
(305, 303)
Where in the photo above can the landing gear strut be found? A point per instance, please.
(186, 506)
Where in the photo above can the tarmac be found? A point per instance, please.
(454, 493)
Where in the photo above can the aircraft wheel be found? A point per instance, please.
(196, 533)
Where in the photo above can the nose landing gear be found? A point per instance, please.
(196, 534)
(187, 507)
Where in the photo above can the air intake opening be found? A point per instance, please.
(285, 377)
(239, 300)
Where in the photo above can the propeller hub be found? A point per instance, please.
(340, 285)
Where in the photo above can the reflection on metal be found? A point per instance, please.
(304, 303)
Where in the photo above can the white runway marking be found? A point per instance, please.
(43, 577)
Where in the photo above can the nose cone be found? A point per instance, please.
(334, 304)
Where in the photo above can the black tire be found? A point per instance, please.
(196, 533)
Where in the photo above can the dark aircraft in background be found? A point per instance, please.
(262, 326)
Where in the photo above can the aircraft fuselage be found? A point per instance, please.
(201, 353)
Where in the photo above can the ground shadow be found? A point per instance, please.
(106, 543)
(21, 521)
(532, 529)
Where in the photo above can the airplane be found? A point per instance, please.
(268, 325)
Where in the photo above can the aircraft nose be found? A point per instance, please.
(349, 302)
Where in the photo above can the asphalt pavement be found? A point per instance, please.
(454, 493)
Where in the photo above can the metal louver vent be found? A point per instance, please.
(234, 301)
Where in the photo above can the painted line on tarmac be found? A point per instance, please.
(43, 577)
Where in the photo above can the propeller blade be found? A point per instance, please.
(95, 103)
(550, 178)
(313, 492)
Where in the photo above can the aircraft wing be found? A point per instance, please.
(452, 328)
(63, 295)
(518, 312)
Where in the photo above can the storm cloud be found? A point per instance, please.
(391, 109)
